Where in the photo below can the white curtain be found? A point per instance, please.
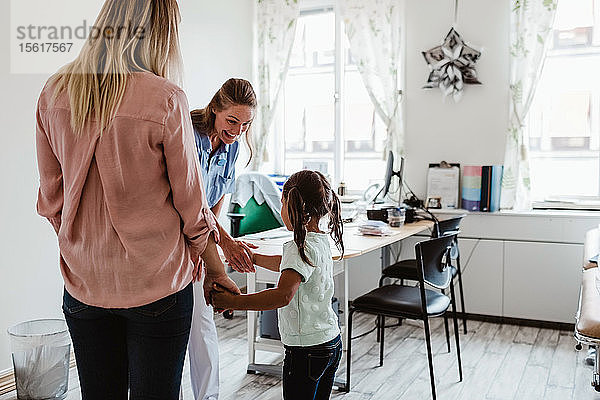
(531, 25)
(276, 29)
(374, 30)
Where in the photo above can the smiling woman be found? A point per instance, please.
(217, 129)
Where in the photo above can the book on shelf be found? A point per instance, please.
(481, 187)
(486, 177)
(471, 187)
(496, 187)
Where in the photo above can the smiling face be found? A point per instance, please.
(232, 122)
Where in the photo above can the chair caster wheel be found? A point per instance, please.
(578, 347)
(228, 314)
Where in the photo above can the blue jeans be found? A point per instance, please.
(141, 349)
(308, 372)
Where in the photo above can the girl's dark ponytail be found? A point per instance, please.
(336, 226)
(298, 218)
(309, 195)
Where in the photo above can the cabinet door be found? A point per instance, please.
(406, 248)
(482, 273)
(542, 280)
(481, 265)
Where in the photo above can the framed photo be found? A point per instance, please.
(434, 202)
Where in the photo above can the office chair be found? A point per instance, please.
(407, 269)
(410, 302)
(255, 205)
(251, 218)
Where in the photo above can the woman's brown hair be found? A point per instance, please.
(234, 92)
(309, 195)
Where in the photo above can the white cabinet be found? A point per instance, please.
(541, 280)
(482, 265)
(516, 279)
(515, 265)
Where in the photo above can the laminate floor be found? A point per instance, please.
(499, 362)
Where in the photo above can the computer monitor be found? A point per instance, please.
(389, 174)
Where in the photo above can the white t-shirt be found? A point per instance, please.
(309, 319)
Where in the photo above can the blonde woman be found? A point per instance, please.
(120, 183)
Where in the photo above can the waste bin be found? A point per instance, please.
(41, 352)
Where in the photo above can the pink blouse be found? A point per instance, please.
(129, 206)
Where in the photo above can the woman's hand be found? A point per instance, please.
(239, 254)
(222, 299)
(221, 280)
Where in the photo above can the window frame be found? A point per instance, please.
(557, 51)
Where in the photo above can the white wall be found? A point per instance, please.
(473, 130)
(216, 38)
(469, 132)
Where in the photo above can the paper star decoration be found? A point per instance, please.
(452, 66)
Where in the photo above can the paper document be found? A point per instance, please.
(443, 182)
(271, 234)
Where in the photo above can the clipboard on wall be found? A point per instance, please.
(443, 182)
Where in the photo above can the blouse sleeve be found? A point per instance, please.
(50, 194)
(185, 177)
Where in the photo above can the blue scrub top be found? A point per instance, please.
(218, 172)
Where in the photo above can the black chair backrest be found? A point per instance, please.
(447, 226)
(433, 259)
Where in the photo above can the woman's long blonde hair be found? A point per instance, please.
(128, 36)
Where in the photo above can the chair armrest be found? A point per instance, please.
(235, 219)
(235, 216)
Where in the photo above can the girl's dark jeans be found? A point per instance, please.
(141, 349)
(308, 372)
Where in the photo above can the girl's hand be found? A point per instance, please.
(222, 281)
(239, 255)
(222, 299)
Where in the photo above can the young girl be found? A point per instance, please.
(307, 323)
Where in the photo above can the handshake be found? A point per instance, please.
(221, 292)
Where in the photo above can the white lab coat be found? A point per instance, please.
(203, 349)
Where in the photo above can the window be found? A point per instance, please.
(564, 119)
(308, 112)
(308, 101)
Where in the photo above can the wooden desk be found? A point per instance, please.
(355, 245)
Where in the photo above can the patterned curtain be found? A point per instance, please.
(276, 29)
(531, 25)
(374, 31)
